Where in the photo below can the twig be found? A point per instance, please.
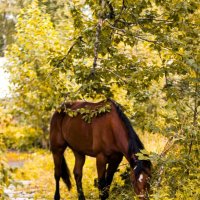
(136, 36)
(117, 75)
(71, 48)
(166, 149)
(69, 51)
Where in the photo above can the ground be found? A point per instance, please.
(34, 171)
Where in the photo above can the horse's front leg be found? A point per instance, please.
(78, 168)
(113, 163)
(101, 170)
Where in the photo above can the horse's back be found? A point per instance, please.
(105, 133)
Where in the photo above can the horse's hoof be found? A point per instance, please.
(104, 196)
(96, 182)
(81, 197)
(57, 197)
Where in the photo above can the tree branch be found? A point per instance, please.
(117, 75)
(97, 36)
(96, 45)
(69, 51)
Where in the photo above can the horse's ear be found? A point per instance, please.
(133, 162)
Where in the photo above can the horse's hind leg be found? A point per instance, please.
(57, 157)
(61, 170)
(79, 162)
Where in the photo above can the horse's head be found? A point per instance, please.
(140, 179)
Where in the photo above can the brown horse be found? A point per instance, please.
(108, 137)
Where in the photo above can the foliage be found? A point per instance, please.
(176, 175)
(87, 113)
(5, 174)
(144, 53)
(30, 66)
(9, 9)
(15, 135)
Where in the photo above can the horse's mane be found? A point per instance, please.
(135, 144)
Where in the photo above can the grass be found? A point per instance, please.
(38, 167)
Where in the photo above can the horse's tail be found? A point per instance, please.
(65, 175)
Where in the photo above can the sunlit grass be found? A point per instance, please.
(17, 156)
(153, 142)
(38, 167)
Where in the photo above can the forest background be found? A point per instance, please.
(142, 53)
